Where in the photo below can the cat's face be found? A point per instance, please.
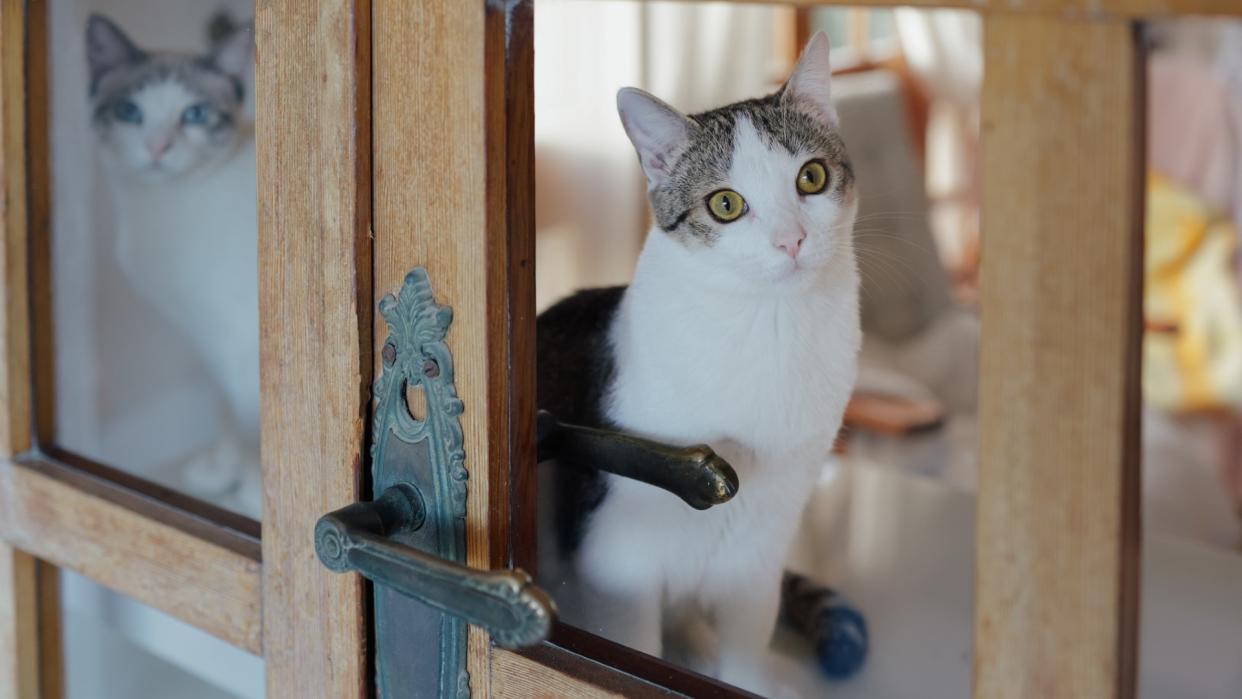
(759, 191)
(165, 114)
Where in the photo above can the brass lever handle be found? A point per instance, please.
(695, 474)
(503, 602)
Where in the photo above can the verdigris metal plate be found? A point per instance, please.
(420, 652)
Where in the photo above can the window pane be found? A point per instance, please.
(888, 528)
(154, 282)
(1191, 640)
(116, 648)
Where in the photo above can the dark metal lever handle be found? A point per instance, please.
(695, 474)
(505, 603)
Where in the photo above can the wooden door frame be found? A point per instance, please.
(180, 556)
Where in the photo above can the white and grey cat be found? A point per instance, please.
(740, 330)
(179, 150)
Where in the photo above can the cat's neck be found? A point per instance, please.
(768, 367)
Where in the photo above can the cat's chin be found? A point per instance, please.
(157, 173)
(143, 171)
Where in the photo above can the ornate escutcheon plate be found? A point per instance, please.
(426, 451)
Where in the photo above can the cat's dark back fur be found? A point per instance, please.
(574, 370)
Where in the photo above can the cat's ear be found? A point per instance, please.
(107, 46)
(810, 86)
(657, 131)
(234, 54)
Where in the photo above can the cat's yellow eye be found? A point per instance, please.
(812, 178)
(726, 205)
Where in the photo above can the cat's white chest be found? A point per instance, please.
(190, 248)
(773, 377)
(765, 385)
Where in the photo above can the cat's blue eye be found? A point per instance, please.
(196, 115)
(127, 112)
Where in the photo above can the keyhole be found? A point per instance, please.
(415, 401)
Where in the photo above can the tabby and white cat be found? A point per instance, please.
(740, 330)
(179, 150)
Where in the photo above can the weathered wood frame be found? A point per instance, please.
(191, 560)
(1057, 563)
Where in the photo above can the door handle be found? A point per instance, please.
(411, 540)
(506, 603)
(696, 474)
(358, 538)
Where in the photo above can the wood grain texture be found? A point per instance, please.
(1058, 527)
(519, 116)
(30, 649)
(209, 585)
(30, 657)
(15, 392)
(39, 219)
(1070, 9)
(453, 119)
(51, 631)
(313, 134)
(517, 677)
(19, 625)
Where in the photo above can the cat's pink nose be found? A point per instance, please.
(791, 245)
(159, 148)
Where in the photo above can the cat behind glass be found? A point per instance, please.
(178, 150)
(740, 330)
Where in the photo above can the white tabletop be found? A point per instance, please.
(901, 548)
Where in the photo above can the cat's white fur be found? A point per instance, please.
(187, 241)
(188, 245)
(734, 345)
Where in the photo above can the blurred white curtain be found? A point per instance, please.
(944, 48)
(591, 205)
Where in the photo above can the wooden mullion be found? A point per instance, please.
(31, 662)
(314, 143)
(445, 153)
(38, 230)
(51, 631)
(30, 658)
(1057, 570)
(15, 391)
(19, 628)
(148, 551)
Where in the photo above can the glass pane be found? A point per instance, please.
(1191, 640)
(116, 648)
(153, 242)
(704, 347)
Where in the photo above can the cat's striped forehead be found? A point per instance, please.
(193, 73)
(704, 164)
